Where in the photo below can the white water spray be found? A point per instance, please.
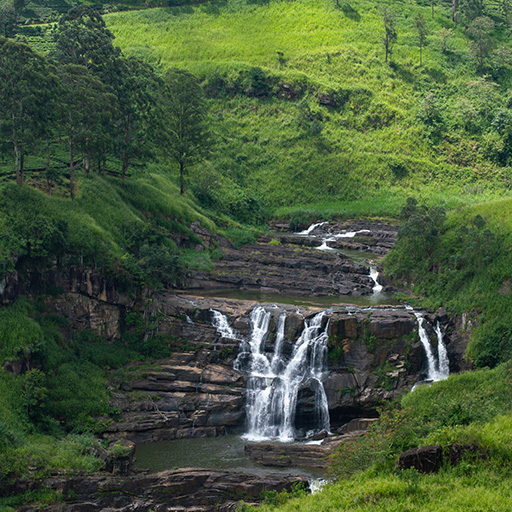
(311, 228)
(438, 368)
(374, 274)
(273, 390)
(221, 323)
(275, 380)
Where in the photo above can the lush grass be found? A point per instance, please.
(125, 230)
(370, 144)
(473, 408)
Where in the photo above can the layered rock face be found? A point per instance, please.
(374, 354)
(182, 490)
(290, 264)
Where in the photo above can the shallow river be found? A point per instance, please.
(225, 452)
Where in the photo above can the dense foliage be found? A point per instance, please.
(462, 263)
(126, 232)
(302, 110)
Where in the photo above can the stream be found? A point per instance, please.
(284, 392)
(225, 452)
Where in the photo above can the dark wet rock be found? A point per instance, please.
(355, 425)
(307, 454)
(183, 490)
(426, 459)
(283, 455)
(119, 459)
(176, 398)
(286, 269)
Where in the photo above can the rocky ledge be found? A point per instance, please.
(374, 354)
(284, 268)
(285, 263)
(372, 237)
(311, 454)
(181, 490)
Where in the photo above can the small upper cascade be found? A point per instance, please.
(324, 246)
(221, 323)
(438, 368)
(311, 228)
(351, 234)
(374, 274)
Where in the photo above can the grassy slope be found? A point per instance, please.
(473, 408)
(261, 145)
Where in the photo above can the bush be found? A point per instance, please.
(240, 237)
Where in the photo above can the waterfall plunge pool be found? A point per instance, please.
(224, 452)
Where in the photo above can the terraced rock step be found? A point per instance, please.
(175, 398)
(182, 490)
(285, 268)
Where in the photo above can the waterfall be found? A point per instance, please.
(438, 368)
(275, 379)
(351, 234)
(374, 274)
(311, 228)
(324, 246)
(221, 323)
(444, 362)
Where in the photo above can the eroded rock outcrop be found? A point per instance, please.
(181, 490)
(176, 398)
(374, 354)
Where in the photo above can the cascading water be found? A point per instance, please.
(275, 380)
(221, 323)
(438, 368)
(311, 228)
(374, 274)
(444, 362)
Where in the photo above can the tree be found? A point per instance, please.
(136, 86)
(446, 33)
(186, 130)
(501, 61)
(422, 30)
(27, 90)
(7, 17)
(390, 34)
(18, 5)
(85, 106)
(83, 39)
(482, 44)
(485, 92)
(472, 9)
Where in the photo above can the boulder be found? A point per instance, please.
(426, 459)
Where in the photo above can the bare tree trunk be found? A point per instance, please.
(19, 179)
(48, 180)
(181, 178)
(125, 150)
(22, 162)
(71, 169)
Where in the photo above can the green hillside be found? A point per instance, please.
(308, 121)
(306, 110)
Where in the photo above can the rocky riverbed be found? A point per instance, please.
(374, 354)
